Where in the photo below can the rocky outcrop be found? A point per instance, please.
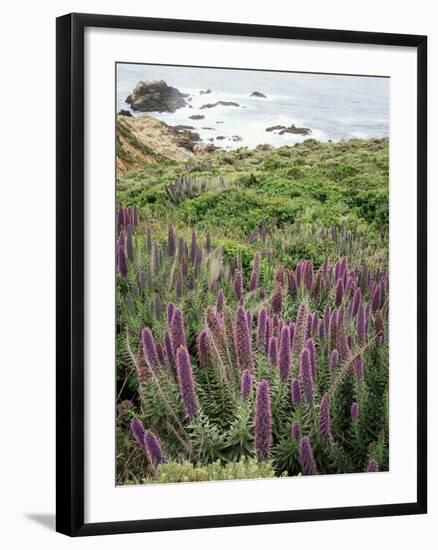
(196, 117)
(203, 92)
(289, 130)
(257, 94)
(124, 112)
(156, 96)
(224, 103)
(143, 139)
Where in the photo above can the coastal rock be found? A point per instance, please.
(185, 138)
(224, 103)
(124, 112)
(220, 137)
(156, 95)
(203, 92)
(257, 94)
(289, 130)
(236, 138)
(207, 128)
(201, 148)
(196, 117)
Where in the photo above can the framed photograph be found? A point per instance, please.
(241, 274)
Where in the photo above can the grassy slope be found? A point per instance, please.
(324, 183)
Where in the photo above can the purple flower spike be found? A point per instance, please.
(324, 423)
(120, 219)
(149, 348)
(300, 329)
(295, 430)
(243, 341)
(277, 299)
(307, 462)
(168, 346)
(358, 367)
(138, 431)
(295, 391)
(185, 381)
(376, 299)
(121, 262)
(129, 248)
(170, 311)
(203, 348)
(310, 345)
(308, 276)
(263, 421)
(255, 275)
(372, 466)
(292, 282)
(135, 219)
(261, 327)
(284, 355)
(361, 325)
(355, 410)
(171, 241)
(178, 331)
(339, 292)
(245, 384)
(334, 360)
(341, 339)
(356, 301)
(238, 285)
(273, 355)
(306, 375)
(220, 301)
(153, 448)
(193, 247)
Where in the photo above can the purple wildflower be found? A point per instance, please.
(306, 375)
(153, 448)
(193, 247)
(178, 330)
(355, 410)
(238, 285)
(292, 282)
(361, 326)
(129, 248)
(243, 341)
(120, 219)
(358, 367)
(149, 347)
(334, 360)
(339, 292)
(310, 345)
(372, 466)
(263, 421)
(295, 430)
(255, 275)
(220, 301)
(168, 346)
(171, 240)
(246, 379)
(356, 301)
(277, 299)
(261, 327)
(203, 348)
(376, 299)
(295, 391)
(138, 431)
(185, 381)
(284, 358)
(300, 329)
(307, 462)
(341, 339)
(121, 262)
(272, 352)
(170, 311)
(308, 276)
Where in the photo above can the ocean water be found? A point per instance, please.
(334, 107)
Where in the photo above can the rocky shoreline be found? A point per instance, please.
(156, 96)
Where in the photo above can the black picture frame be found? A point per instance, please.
(70, 273)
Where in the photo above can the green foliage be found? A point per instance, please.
(312, 201)
(175, 472)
